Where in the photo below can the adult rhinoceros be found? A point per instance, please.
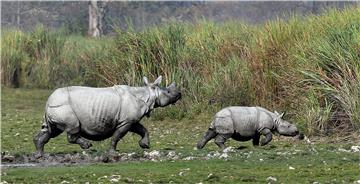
(99, 113)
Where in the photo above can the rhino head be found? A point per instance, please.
(164, 95)
(283, 127)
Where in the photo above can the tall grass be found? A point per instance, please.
(307, 66)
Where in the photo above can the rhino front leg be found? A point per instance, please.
(268, 136)
(118, 134)
(76, 139)
(220, 140)
(139, 129)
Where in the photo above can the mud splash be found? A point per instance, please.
(61, 159)
(28, 160)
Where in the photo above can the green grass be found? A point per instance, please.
(307, 170)
(22, 111)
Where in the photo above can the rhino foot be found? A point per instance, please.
(38, 155)
(200, 144)
(85, 145)
(144, 143)
(112, 152)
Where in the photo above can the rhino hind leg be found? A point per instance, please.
(220, 140)
(40, 140)
(210, 134)
(139, 129)
(256, 140)
(43, 137)
(76, 139)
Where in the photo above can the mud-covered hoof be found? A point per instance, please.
(200, 145)
(86, 145)
(144, 144)
(301, 136)
(263, 142)
(38, 155)
(112, 152)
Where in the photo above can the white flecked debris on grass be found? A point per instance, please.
(270, 179)
(210, 175)
(224, 156)
(229, 150)
(102, 177)
(114, 180)
(355, 148)
(344, 150)
(189, 158)
(153, 155)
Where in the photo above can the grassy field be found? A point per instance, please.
(286, 159)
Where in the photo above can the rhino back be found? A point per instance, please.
(250, 120)
(58, 98)
(246, 120)
(96, 108)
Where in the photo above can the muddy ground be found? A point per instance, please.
(88, 157)
(85, 157)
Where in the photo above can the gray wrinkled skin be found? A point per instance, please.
(246, 123)
(86, 113)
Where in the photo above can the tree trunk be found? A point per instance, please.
(96, 16)
(18, 15)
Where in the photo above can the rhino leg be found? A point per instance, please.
(76, 139)
(43, 137)
(256, 140)
(118, 134)
(210, 134)
(268, 137)
(220, 140)
(40, 140)
(139, 129)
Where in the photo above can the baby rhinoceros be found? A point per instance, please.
(86, 113)
(245, 123)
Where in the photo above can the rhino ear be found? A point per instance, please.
(282, 115)
(157, 81)
(172, 85)
(146, 82)
(276, 112)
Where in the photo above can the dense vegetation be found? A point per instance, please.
(307, 66)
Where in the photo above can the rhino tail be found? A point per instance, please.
(212, 124)
(50, 127)
(45, 125)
